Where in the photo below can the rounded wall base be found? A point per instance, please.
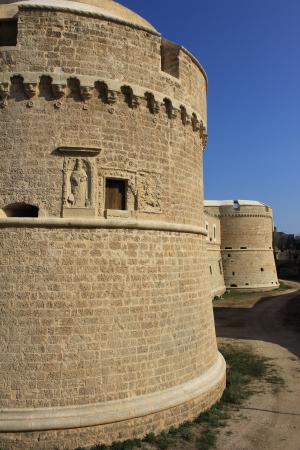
(255, 288)
(152, 413)
(218, 292)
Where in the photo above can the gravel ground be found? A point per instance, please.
(270, 326)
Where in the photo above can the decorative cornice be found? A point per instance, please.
(221, 215)
(17, 420)
(79, 151)
(61, 85)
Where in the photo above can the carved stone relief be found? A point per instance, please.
(4, 93)
(78, 195)
(149, 192)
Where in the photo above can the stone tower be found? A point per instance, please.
(106, 321)
(245, 241)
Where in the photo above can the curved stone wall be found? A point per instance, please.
(246, 244)
(214, 257)
(104, 310)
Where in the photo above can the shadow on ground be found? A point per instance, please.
(273, 319)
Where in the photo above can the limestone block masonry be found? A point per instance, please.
(214, 256)
(246, 233)
(106, 321)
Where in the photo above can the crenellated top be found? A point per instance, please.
(62, 87)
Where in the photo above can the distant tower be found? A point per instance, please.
(246, 243)
(106, 327)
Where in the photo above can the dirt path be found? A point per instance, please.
(269, 420)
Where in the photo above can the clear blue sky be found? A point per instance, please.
(250, 50)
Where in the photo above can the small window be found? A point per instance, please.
(214, 232)
(236, 205)
(21, 210)
(233, 273)
(220, 266)
(115, 194)
(170, 58)
(207, 230)
(210, 269)
(229, 255)
(243, 248)
(228, 248)
(8, 33)
(262, 269)
(233, 285)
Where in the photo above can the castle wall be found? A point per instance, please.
(105, 312)
(56, 41)
(94, 316)
(214, 257)
(246, 244)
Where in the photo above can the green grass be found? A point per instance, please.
(283, 286)
(233, 293)
(236, 293)
(243, 367)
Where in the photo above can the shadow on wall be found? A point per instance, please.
(273, 319)
(19, 210)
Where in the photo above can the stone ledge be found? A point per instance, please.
(228, 250)
(14, 420)
(23, 222)
(255, 287)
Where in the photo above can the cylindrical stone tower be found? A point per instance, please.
(107, 328)
(246, 243)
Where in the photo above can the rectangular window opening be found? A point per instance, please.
(8, 33)
(170, 58)
(220, 267)
(236, 205)
(115, 194)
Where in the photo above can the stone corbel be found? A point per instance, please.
(112, 97)
(204, 135)
(131, 99)
(4, 92)
(171, 111)
(59, 89)
(195, 123)
(135, 101)
(185, 117)
(30, 89)
(153, 105)
(86, 92)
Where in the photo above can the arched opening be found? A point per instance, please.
(21, 210)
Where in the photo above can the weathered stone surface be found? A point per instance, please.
(244, 235)
(92, 314)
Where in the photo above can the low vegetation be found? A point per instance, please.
(243, 368)
(232, 293)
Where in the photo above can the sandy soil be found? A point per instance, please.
(270, 419)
